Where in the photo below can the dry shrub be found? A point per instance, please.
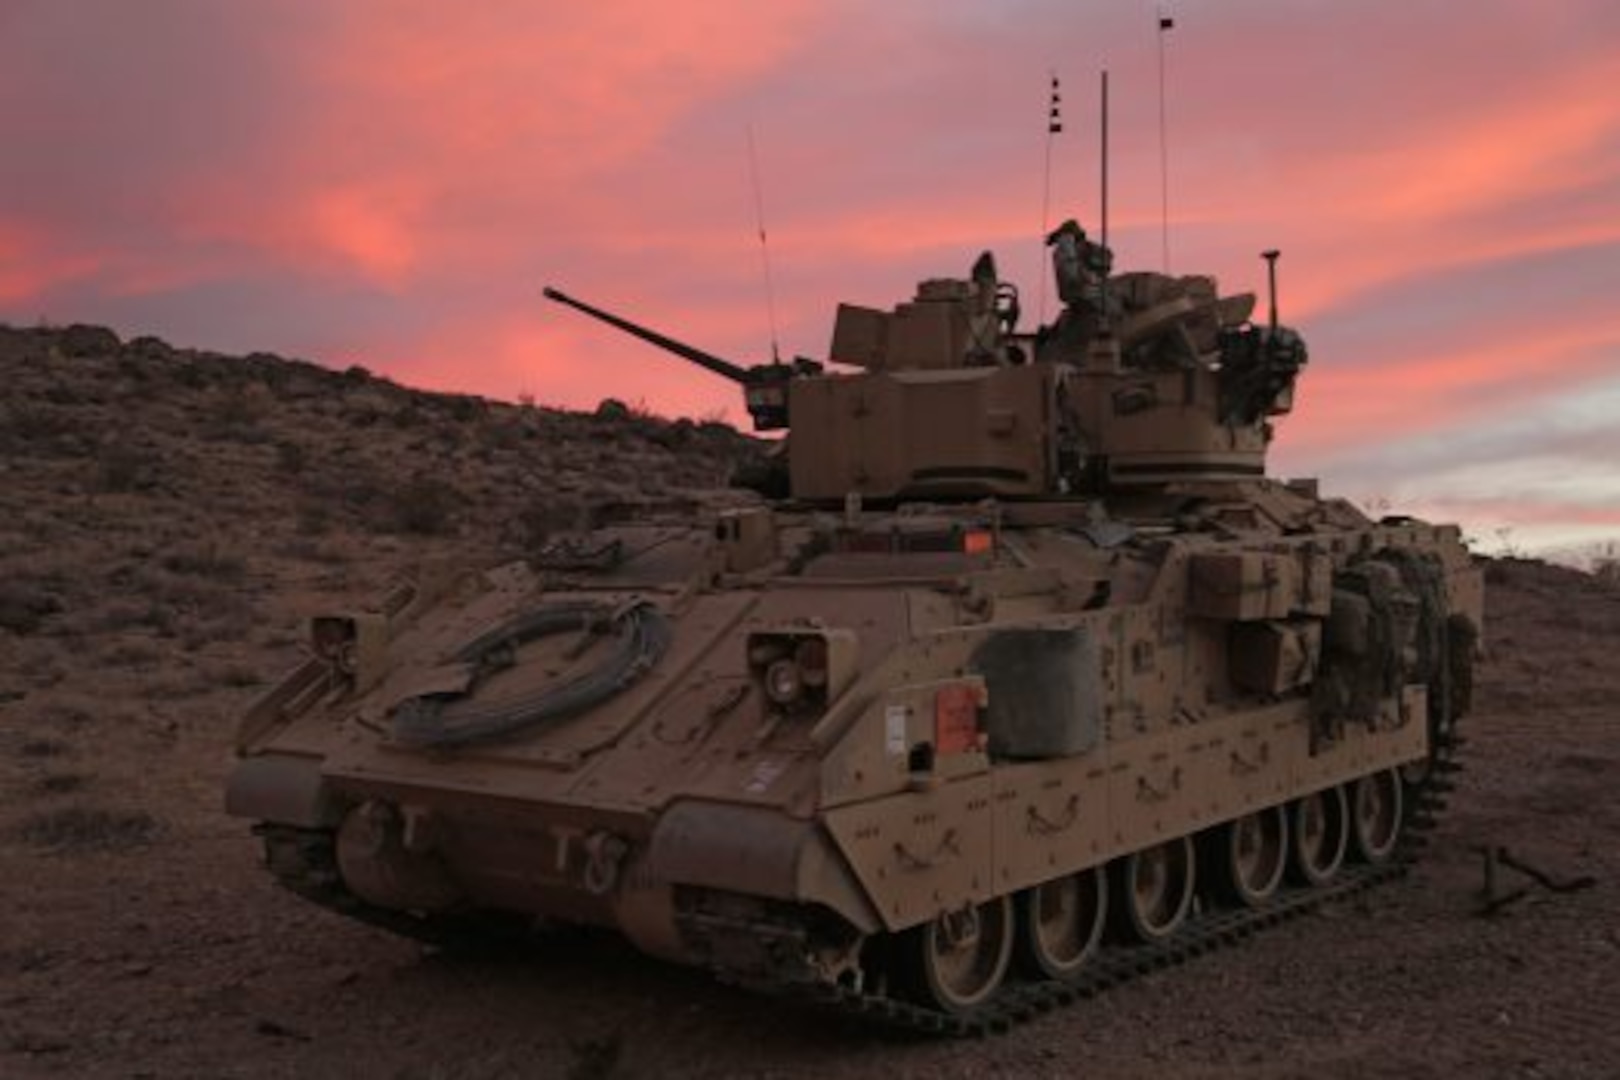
(237, 416)
(421, 506)
(205, 560)
(124, 615)
(305, 548)
(147, 347)
(464, 410)
(61, 783)
(232, 619)
(240, 676)
(135, 654)
(88, 828)
(314, 518)
(34, 429)
(536, 522)
(23, 607)
(191, 374)
(171, 685)
(69, 394)
(179, 601)
(499, 434)
(84, 341)
(43, 748)
(72, 714)
(122, 468)
(291, 457)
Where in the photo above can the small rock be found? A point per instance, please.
(279, 1031)
(30, 1042)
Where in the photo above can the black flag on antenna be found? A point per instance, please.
(1166, 22)
(1054, 121)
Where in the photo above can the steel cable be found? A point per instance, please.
(443, 720)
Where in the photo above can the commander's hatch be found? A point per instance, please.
(624, 557)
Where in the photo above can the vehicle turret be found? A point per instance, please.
(1142, 379)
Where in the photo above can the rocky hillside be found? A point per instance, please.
(156, 504)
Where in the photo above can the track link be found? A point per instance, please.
(304, 862)
(1019, 1003)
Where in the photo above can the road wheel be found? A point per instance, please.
(1319, 836)
(1156, 889)
(1375, 817)
(1253, 853)
(1060, 922)
(962, 956)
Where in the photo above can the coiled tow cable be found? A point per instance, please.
(449, 720)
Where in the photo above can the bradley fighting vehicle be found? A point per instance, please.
(1030, 677)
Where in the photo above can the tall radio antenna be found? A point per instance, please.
(1166, 23)
(1054, 127)
(764, 245)
(1103, 156)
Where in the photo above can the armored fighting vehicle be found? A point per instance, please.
(1028, 678)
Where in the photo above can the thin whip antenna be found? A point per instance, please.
(1108, 252)
(1054, 126)
(1166, 23)
(764, 246)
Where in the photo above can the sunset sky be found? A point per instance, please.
(391, 182)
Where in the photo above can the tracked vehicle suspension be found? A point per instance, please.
(1020, 1002)
(304, 861)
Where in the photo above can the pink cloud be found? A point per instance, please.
(30, 264)
(1406, 394)
(443, 138)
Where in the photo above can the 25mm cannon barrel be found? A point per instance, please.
(724, 368)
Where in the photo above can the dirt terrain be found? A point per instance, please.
(167, 521)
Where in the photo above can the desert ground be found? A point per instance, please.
(169, 519)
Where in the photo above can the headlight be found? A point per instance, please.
(784, 683)
(356, 646)
(802, 668)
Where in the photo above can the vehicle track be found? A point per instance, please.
(304, 862)
(1021, 1002)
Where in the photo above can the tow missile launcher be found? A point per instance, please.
(1033, 679)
